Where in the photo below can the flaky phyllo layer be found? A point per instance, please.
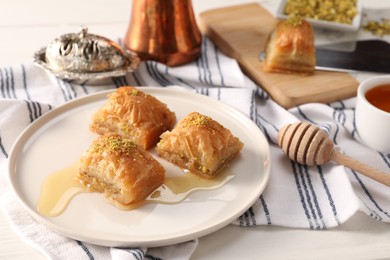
(117, 167)
(291, 48)
(135, 115)
(200, 144)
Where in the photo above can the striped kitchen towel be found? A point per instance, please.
(297, 196)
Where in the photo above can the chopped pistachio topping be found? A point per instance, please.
(116, 144)
(199, 120)
(340, 11)
(294, 21)
(381, 28)
(133, 92)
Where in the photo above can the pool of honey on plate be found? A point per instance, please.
(379, 96)
(60, 187)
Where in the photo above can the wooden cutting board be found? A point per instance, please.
(242, 32)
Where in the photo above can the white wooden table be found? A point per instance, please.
(25, 26)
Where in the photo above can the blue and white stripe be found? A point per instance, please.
(296, 196)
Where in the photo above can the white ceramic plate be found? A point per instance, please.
(58, 139)
(327, 24)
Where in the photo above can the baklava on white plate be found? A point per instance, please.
(135, 115)
(199, 144)
(115, 166)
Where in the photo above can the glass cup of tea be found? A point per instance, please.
(372, 113)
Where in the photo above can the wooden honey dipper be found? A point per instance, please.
(308, 144)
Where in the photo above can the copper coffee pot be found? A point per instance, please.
(164, 30)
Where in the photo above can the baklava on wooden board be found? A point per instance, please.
(242, 32)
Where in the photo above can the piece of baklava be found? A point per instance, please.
(115, 166)
(134, 114)
(199, 144)
(291, 48)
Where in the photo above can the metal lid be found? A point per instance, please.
(83, 56)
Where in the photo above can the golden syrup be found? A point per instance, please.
(176, 188)
(60, 187)
(379, 96)
(57, 191)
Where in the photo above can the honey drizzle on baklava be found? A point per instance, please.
(62, 186)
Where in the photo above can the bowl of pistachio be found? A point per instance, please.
(341, 15)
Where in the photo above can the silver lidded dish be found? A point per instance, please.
(85, 57)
